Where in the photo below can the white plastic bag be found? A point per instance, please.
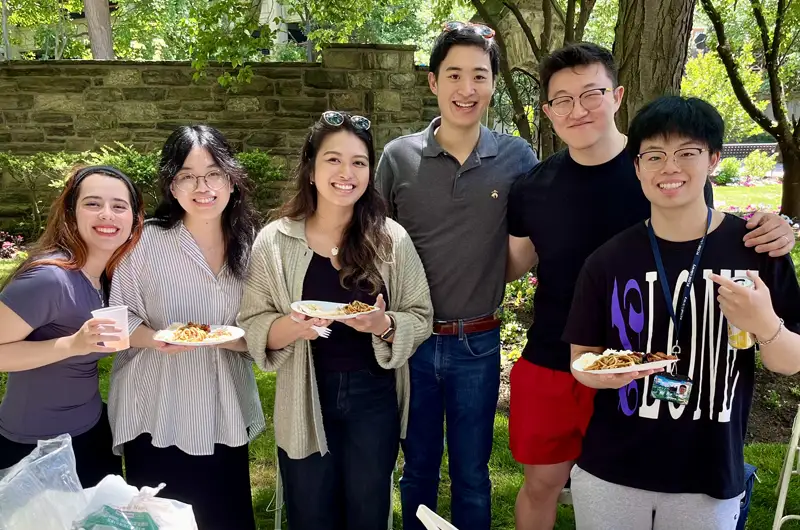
(42, 491)
(118, 506)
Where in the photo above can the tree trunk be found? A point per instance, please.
(6, 41)
(790, 204)
(98, 19)
(520, 116)
(650, 47)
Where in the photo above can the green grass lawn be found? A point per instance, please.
(762, 197)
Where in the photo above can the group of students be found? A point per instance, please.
(630, 253)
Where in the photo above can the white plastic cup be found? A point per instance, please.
(119, 314)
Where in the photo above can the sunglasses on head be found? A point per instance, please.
(484, 31)
(336, 119)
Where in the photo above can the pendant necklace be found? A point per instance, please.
(96, 290)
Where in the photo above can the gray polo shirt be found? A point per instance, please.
(456, 215)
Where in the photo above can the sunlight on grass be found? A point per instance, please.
(769, 459)
(767, 197)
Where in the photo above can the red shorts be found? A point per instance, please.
(550, 411)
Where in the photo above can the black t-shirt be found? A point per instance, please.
(346, 350)
(568, 210)
(633, 439)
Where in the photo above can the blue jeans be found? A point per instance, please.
(453, 378)
(349, 487)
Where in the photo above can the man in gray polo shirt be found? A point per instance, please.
(448, 186)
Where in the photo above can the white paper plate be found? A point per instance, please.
(166, 335)
(588, 358)
(326, 310)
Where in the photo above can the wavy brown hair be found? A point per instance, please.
(366, 239)
(61, 244)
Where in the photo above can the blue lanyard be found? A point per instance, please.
(662, 278)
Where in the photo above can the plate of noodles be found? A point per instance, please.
(194, 334)
(332, 310)
(622, 361)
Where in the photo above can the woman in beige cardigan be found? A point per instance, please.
(341, 403)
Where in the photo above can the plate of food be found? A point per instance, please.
(622, 361)
(194, 334)
(332, 310)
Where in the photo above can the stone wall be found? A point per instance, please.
(80, 105)
(77, 106)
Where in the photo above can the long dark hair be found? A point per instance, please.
(61, 244)
(366, 239)
(238, 218)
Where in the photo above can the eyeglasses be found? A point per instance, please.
(590, 100)
(484, 31)
(188, 182)
(657, 160)
(336, 119)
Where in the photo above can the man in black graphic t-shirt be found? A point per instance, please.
(677, 466)
(567, 207)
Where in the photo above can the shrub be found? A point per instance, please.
(519, 293)
(758, 164)
(262, 172)
(31, 172)
(142, 168)
(728, 172)
(35, 173)
(10, 245)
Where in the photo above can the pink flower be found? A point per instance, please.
(533, 281)
(7, 244)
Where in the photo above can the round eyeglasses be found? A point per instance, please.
(590, 100)
(484, 31)
(188, 182)
(657, 160)
(336, 119)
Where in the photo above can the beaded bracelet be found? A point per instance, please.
(765, 342)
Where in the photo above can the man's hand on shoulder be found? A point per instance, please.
(771, 233)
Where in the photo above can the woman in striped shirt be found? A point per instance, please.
(184, 416)
(49, 341)
(341, 404)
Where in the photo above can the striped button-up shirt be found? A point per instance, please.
(193, 399)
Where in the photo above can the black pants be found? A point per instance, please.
(94, 458)
(217, 486)
(348, 488)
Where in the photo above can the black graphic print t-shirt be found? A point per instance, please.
(637, 441)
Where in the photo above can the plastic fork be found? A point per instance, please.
(322, 332)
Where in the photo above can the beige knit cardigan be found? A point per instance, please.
(278, 265)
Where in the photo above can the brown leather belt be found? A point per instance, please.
(470, 326)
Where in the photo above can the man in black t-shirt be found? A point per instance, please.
(566, 207)
(652, 457)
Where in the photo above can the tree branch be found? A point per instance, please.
(789, 47)
(796, 134)
(583, 18)
(732, 68)
(569, 23)
(559, 12)
(520, 116)
(526, 29)
(547, 27)
(771, 56)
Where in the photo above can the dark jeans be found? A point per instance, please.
(349, 487)
(457, 378)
